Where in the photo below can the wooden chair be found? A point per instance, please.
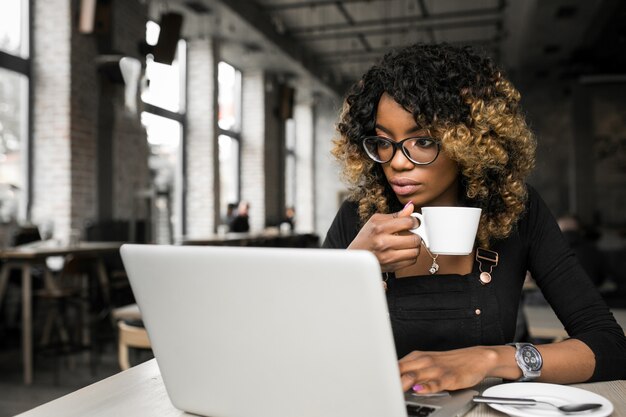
(130, 335)
(67, 290)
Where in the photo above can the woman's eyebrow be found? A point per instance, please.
(383, 128)
(408, 132)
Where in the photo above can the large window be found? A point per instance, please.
(14, 27)
(14, 108)
(229, 127)
(164, 104)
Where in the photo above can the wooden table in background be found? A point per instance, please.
(25, 257)
(266, 239)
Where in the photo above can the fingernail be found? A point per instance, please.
(417, 387)
(407, 204)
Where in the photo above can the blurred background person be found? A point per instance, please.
(240, 223)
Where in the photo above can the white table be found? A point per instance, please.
(139, 391)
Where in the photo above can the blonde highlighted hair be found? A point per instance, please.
(466, 102)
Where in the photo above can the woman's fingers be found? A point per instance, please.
(385, 224)
(404, 219)
(425, 381)
(384, 243)
(421, 372)
(448, 370)
(388, 237)
(399, 255)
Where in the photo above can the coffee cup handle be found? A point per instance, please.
(421, 229)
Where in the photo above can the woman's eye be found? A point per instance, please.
(424, 142)
(383, 144)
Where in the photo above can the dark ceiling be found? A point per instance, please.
(336, 40)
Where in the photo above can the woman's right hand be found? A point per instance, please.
(387, 236)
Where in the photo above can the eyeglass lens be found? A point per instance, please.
(421, 150)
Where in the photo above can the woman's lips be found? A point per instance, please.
(404, 187)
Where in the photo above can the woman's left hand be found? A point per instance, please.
(451, 370)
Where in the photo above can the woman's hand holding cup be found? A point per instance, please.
(387, 236)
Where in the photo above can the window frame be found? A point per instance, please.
(180, 117)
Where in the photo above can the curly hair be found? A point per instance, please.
(463, 99)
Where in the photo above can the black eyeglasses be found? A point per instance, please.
(421, 150)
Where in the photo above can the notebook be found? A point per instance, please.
(274, 332)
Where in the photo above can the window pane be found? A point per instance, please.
(229, 97)
(14, 27)
(164, 138)
(164, 82)
(13, 127)
(229, 171)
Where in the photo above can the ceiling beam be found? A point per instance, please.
(401, 19)
(346, 15)
(340, 56)
(405, 28)
(309, 4)
(253, 14)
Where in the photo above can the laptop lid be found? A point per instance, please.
(266, 332)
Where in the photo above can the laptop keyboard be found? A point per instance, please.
(419, 411)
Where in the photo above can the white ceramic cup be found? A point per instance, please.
(448, 230)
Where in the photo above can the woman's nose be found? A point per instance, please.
(400, 162)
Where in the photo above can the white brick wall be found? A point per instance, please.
(65, 118)
(200, 138)
(305, 202)
(51, 121)
(253, 146)
(83, 127)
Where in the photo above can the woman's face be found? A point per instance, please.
(426, 185)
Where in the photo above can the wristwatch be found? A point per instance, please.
(529, 360)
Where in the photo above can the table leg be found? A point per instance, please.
(101, 271)
(4, 278)
(27, 323)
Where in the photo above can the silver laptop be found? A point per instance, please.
(267, 332)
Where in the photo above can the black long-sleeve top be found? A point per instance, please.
(442, 312)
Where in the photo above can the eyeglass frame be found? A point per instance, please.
(400, 145)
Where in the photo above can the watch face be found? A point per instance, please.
(531, 357)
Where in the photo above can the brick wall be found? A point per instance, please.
(65, 117)
(51, 122)
(130, 171)
(83, 125)
(305, 202)
(200, 138)
(253, 146)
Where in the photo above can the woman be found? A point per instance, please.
(436, 125)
